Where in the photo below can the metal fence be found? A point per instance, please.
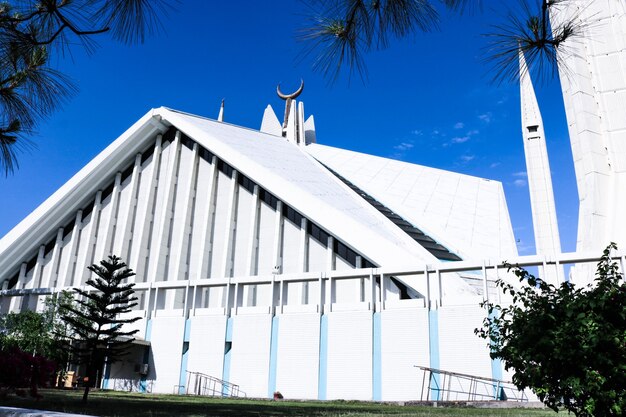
(207, 385)
(439, 385)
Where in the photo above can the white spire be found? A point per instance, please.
(547, 241)
(220, 116)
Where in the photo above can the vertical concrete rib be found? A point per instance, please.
(145, 216)
(163, 216)
(231, 224)
(206, 241)
(253, 247)
(51, 273)
(110, 225)
(277, 254)
(178, 252)
(14, 303)
(82, 273)
(303, 261)
(67, 273)
(127, 217)
(37, 270)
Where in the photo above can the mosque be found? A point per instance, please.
(267, 262)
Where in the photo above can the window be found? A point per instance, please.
(225, 168)
(292, 215)
(246, 183)
(317, 234)
(532, 129)
(268, 198)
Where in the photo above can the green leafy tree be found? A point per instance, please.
(33, 30)
(567, 344)
(33, 345)
(96, 326)
(37, 333)
(343, 31)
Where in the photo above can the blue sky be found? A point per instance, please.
(428, 100)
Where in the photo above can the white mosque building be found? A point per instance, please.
(276, 263)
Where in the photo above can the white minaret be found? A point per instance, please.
(592, 70)
(547, 241)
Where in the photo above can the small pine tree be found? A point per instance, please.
(97, 334)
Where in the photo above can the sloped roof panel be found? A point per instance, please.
(462, 212)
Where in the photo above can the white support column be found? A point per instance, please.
(67, 272)
(330, 256)
(206, 243)
(163, 216)
(383, 291)
(37, 271)
(254, 240)
(485, 283)
(300, 125)
(110, 226)
(145, 215)
(51, 274)
(178, 251)
(428, 290)
(439, 291)
(231, 224)
(21, 278)
(277, 255)
(14, 303)
(303, 260)
(321, 299)
(125, 221)
(372, 292)
(82, 273)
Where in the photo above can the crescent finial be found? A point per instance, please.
(292, 95)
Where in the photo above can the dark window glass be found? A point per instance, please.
(127, 172)
(292, 215)
(186, 141)
(169, 135)
(344, 252)
(225, 168)
(147, 154)
(49, 247)
(367, 264)
(67, 229)
(268, 198)
(318, 234)
(31, 264)
(13, 280)
(107, 192)
(206, 155)
(88, 209)
(246, 183)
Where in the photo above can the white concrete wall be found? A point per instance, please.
(349, 355)
(297, 368)
(404, 344)
(460, 350)
(250, 353)
(166, 351)
(206, 344)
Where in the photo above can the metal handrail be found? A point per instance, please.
(208, 385)
(480, 388)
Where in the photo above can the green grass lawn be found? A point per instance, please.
(119, 404)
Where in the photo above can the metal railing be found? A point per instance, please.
(207, 385)
(454, 386)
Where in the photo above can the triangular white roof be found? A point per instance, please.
(295, 175)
